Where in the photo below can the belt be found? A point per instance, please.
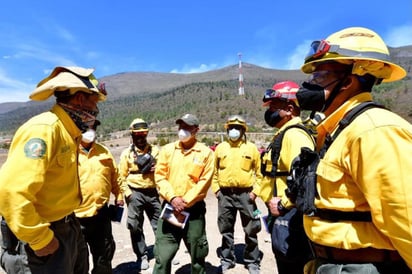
(148, 190)
(362, 255)
(235, 190)
(65, 220)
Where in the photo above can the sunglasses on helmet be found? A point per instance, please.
(236, 118)
(139, 126)
(318, 49)
(271, 94)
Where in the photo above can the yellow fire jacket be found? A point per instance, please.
(184, 173)
(129, 171)
(237, 164)
(39, 181)
(98, 178)
(367, 168)
(293, 140)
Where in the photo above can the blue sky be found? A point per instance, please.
(179, 36)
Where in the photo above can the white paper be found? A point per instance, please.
(168, 215)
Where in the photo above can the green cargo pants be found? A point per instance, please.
(168, 238)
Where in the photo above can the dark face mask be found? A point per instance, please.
(311, 97)
(272, 117)
(139, 141)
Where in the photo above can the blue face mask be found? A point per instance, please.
(272, 117)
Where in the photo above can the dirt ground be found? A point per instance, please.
(124, 258)
(124, 261)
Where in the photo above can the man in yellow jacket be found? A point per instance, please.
(183, 176)
(39, 186)
(136, 171)
(363, 221)
(283, 113)
(98, 179)
(236, 180)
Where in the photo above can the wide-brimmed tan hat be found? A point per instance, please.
(73, 79)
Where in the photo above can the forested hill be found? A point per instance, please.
(160, 98)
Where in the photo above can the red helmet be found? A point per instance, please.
(285, 90)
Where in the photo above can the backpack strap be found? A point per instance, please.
(274, 149)
(349, 117)
(336, 215)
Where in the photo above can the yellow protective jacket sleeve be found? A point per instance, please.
(367, 168)
(293, 140)
(237, 164)
(98, 179)
(128, 170)
(184, 173)
(39, 181)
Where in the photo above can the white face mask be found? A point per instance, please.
(184, 135)
(234, 134)
(89, 136)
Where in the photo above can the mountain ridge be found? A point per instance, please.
(161, 97)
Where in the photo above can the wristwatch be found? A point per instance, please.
(282, 210)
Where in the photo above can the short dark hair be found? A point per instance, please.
(367, 81)
(64, 96)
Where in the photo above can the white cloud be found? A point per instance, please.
(42, 54)
(399, 36)
(202, 68)
(12, 90)
(65, 34)
(296, 58)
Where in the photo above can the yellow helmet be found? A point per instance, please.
(357, 46)
(138, 125)
(236, 120)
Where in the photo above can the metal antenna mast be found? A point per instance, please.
(241, 88)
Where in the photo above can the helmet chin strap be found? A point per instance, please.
(334, 92)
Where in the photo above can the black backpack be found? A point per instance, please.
(287, 234)
(274, 149)
(302, 180)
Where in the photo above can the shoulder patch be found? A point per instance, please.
(35, 148)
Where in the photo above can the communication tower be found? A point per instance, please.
(241, 88)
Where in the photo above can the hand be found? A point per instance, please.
(273, 206)
(49, 249)
(252, 196)
(178, 204)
